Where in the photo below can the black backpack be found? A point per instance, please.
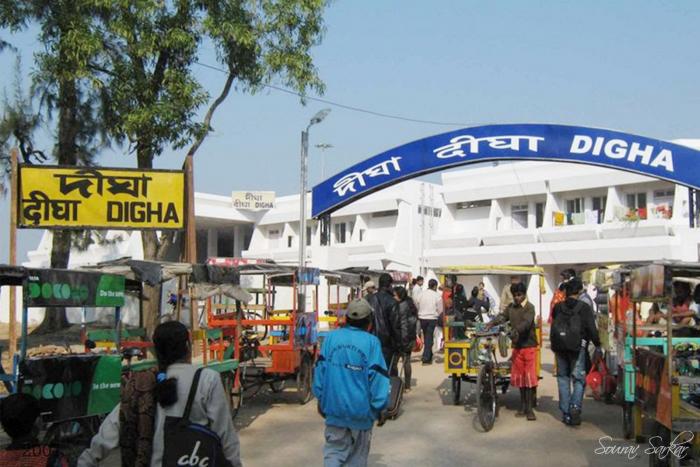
(191, 444)
(566, 333)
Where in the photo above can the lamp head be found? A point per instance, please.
(318, 118)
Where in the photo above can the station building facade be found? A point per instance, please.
(553, 215)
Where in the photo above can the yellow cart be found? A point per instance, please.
(472, 353)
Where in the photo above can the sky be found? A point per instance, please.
(626, 65)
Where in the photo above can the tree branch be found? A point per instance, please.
(210, 113)
(159, 71)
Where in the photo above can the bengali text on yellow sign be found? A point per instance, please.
(81, 197)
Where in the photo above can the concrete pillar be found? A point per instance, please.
(614, 203)
(680, 206)
(238, 234)
(212, 242)
(550, 206)
(496, 216)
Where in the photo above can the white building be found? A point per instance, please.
(518, 213)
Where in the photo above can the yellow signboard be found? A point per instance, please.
(87, 197)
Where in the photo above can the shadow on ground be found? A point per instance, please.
(257, 402)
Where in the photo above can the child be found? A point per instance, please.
(18, 416)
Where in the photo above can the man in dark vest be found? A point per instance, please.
(384, 305)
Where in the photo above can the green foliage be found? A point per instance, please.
(17, 126)
(150, 95)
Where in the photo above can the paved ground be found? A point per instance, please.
(433, 432)
(275, 430)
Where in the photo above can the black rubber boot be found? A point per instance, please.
(521, 409)
(530, 399)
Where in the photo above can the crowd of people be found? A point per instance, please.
(162, 410)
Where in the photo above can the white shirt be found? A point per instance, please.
(210, 408)
(416, 293)
(430, 304)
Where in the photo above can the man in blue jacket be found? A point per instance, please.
(351, 384)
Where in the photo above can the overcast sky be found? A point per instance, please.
(627, 65)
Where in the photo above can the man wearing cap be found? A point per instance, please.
(351, 384)
(369, 289)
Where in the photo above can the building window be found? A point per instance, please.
(289, 241)
(574, 211)
(663, 203)
(394, 212)
(340, 232)
(518, 215)
(637, 204)
(362, 234)
(274, 236)
(599, 203)
(474, 204)
(309, 235)
(664, 195)
(574, 205)
(539, 215)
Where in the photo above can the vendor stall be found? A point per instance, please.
(665, 377)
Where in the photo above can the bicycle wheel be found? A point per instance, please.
(627, 423)
(456, 388)
(305, 378)
(486, 397)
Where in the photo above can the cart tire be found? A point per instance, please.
(486, 397)
(654, 459)
(305, 379)
(72, 437)
(456, 389)
(627, 422)
(235, 394)
(277, 385)
(236, 401)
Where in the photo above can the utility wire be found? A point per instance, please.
(347, 107)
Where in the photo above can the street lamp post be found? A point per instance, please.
(318, 118)
(323, 147)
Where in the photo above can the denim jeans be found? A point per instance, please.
(345, 447)
(428, 327)
(571, 369)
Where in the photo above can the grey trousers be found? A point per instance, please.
(345, 447)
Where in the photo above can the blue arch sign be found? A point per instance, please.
(561, 143)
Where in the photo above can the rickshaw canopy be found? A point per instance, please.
(485, 270)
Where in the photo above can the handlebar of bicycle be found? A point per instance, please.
(494, 331)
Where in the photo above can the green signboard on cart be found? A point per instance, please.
(66, 288)
(72, 386)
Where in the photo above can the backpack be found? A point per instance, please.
(566, 333)
(191, 444)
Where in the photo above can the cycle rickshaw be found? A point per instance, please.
(478, 355)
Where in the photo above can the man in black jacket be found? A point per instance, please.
(384, 307)
(573, 327)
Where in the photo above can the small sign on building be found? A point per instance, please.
(253, 199)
